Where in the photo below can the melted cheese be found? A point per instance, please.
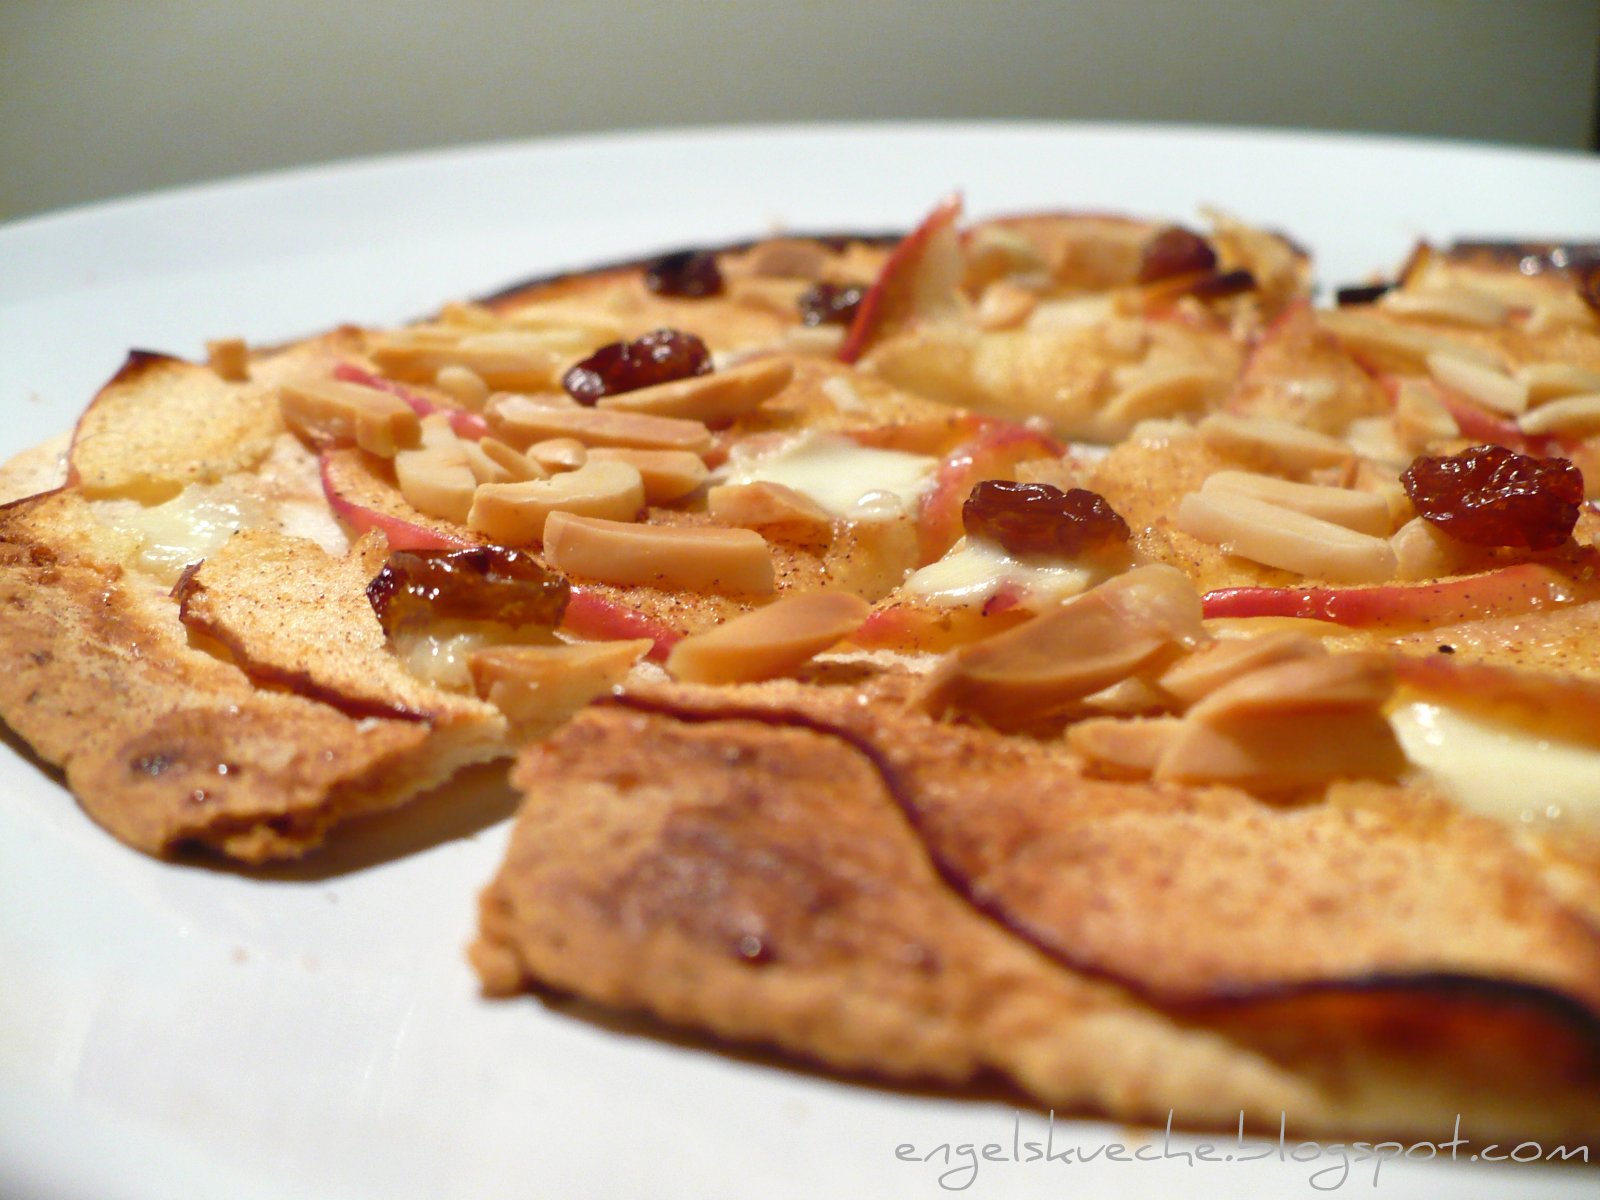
(973, 570)
(187, 528)
(1492, 768)
(836, 473)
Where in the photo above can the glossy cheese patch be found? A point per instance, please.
(973, 570)
(1495, 769)
(187, 528)
(836, 473)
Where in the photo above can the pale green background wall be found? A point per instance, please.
(101, 98)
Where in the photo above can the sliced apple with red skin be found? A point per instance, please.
(466, 424)
(911, 627)
(993, 454)
(602, 617)
(1528, 587)
(920, 281)
(364, 500)
(1479, 425)
(1293, 347)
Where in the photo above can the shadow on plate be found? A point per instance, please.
(475, 799)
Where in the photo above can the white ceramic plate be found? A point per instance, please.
(176, 1031)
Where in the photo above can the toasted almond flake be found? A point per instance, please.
(764, 505)
(1551, 381)
(503, 360)
(567, 319)
(229, 358)
(436, 482)
(464, 385)
(1280, 537)
(1221, 662)
(787, 258)
(693, 558)
(1282, 443)
(669, 475)
(1004, 305)
(558, 454)
(1395, 346)
(1364, 512)
(515, 514)
(326, 411)
(522, 423)
(1274, 753)
(814, 341)
(492, 461)
(1123, 747)
(468, 314)
(770, 641)
(1424, 551)
(1420, 417)
(539, 687)
(1160, 393)
(1488, 386)
(1302, 683)
(1570, 416)
(716, 398)
(1051, 662)
(843, 393)
(1461, 305)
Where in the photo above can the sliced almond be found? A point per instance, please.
(1570, 416)
(768, 642)
(1462, 306)
(1424, 551)
(1280, 537)
(539, 687)
(558, 454)
(592, 327)
(763, 505)
(1420, 417)
(1226, 659)
(693, 558)
(1129, 748)
(468, 314)
(1283, 752)
(787, 258)
(814, 341)
(437, 483)
(1391, 345)
(506, 361)
(1004, 305)
(1364, 512)
(327, 411)
(492, 461)
(229, 358)
(1052, 662)
(1302, 683)
(464, 385)
(716, 398)
(1551, 381)
(1160, 393)
(522, 422)
(1485, 385)
(514, 514)
(669, 475)
(1287, 446)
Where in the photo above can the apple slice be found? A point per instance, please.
(992, 454)
(920, 280)
(598, 615)
(466, 424)
(362, 499)
(912, 627)
(1528, 587)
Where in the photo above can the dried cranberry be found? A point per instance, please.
(1492, 496)
(658, 357)
(689, 273)
(1175, 251)
(1035, 518)
(480, 583)
(830, 303)
(1361, 293)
